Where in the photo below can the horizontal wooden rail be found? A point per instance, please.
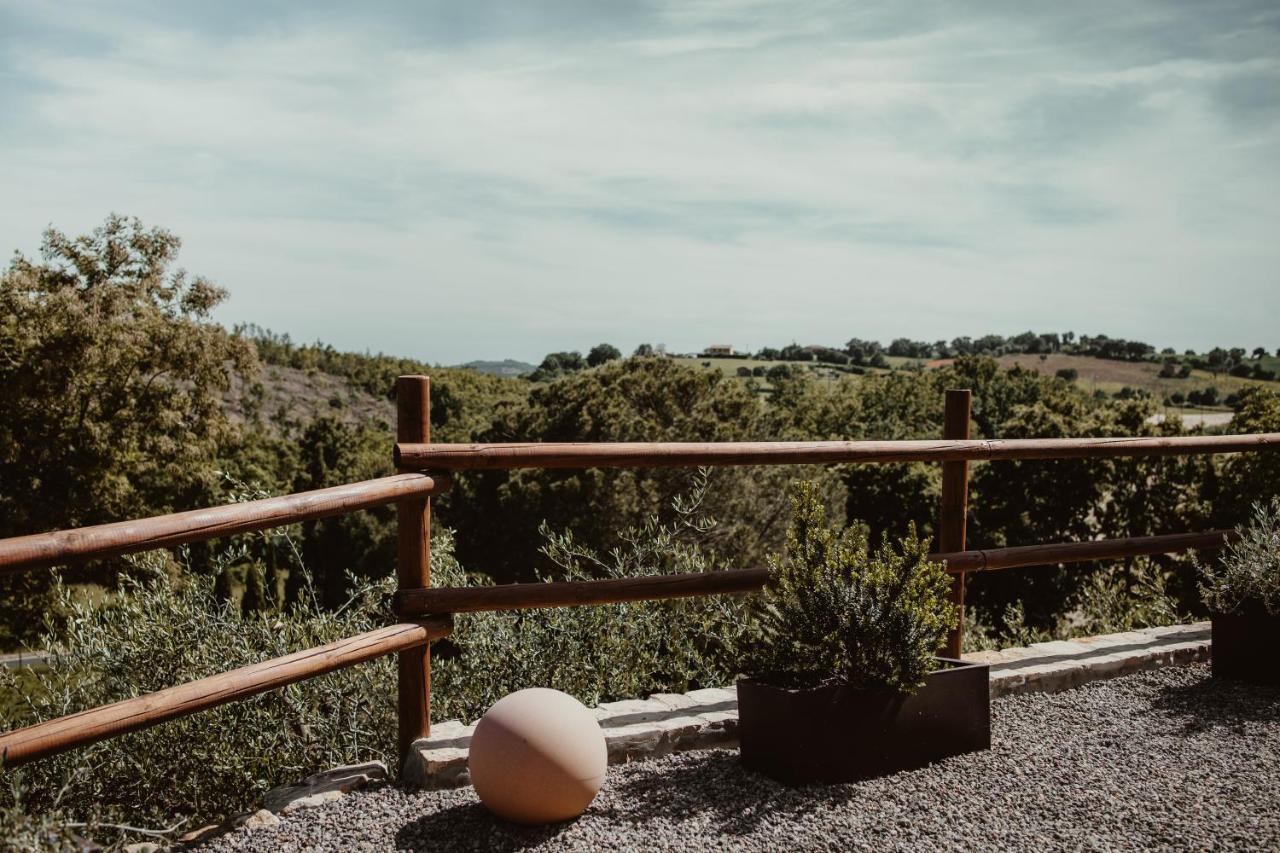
(111, 540)
(1078, 552)
(55, 736)
(675, 454)
(521, 596)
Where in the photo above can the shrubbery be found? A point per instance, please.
(161, 632)
(1248, 573)
(836, 610)
(598, 653)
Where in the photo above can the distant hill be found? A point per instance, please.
(288, 398)
(299, 383)
(506, 367)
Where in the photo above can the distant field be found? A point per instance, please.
(1095, 374)
(1111, 376)
(729, 367)
(1194, 417)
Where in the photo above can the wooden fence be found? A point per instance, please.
(426, 471)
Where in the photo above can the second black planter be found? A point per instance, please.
(839, 734)
(1244, 645)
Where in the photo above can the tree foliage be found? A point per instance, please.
(602, 353)
(1249, 478)
(159, 633)
(497, 514)
(111, 371)
(599, 653)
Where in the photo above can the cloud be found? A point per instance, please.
(476, 180)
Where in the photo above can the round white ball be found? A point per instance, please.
(538, 756)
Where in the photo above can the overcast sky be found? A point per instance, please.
(471, 180)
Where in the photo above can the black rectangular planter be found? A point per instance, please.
(1244, 645)
(839, 734)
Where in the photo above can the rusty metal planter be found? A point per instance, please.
(839, 734)
(1244, 645)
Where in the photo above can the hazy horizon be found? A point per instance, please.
(487, 181)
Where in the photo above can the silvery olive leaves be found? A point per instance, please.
(1248, 571)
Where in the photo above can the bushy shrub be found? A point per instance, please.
(602, 653)
(1124, 597)
(1009, 629)
(1117, 597)
(159, 633)
(1248, 572)
(834, 610)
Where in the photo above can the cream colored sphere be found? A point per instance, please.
(538, 756)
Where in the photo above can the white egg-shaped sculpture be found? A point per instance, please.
(538, 756)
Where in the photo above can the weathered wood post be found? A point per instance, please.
(955, 503)
(413, 563)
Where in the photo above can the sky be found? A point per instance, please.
(455, 181)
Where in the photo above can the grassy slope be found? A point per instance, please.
(1111, 376)
(304, 395)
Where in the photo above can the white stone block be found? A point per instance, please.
(631, 710)
(982, 657)
(1134, 638)
(628, 742)
(1015, 653)
(674, 701)
(1056, 647)
(715, 696)
(1195, 629)
(323, 787)
(312, 801)
(448, 733)
(1102, 641)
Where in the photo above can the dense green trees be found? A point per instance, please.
(1249, 478)
(600, 353)
(497, 514)
(111, 376)
(116, 383)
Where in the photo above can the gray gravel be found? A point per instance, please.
(1168, 759)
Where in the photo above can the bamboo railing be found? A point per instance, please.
(427, 610)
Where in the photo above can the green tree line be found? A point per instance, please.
(117, 382)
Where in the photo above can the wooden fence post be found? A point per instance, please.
(413, 563)
(955, 504)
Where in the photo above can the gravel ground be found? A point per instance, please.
(1168, 759)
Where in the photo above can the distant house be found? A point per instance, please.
(718, 349)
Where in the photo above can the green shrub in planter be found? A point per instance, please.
(846, 683)
(1247, 574)
(1242, 592)
(836, 611)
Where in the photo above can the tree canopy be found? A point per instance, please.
(112, 371)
